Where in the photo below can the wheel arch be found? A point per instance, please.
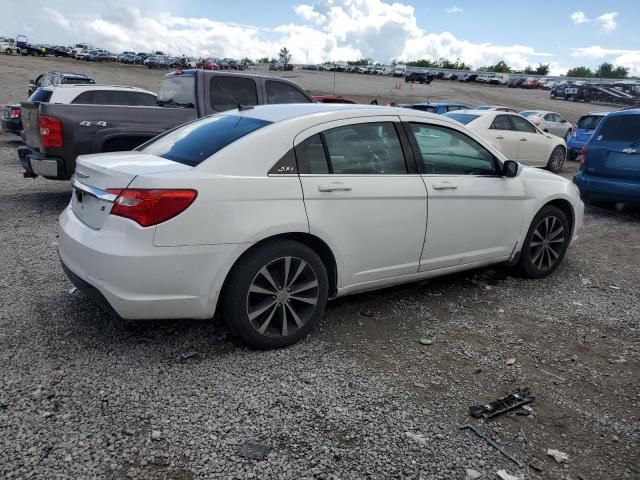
(315, 243)
(566, 208)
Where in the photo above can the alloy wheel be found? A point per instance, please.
(282, 297)
(547, 243)
(557, 159)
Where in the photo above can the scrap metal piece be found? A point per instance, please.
(491, 442)
(254, 450)
(515, 399)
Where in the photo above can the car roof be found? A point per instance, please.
(282, 112)
(439, 104)
(631, 111)
(94, 86)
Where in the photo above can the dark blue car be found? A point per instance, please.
(610, 161)
(438, 108)
(582, 131)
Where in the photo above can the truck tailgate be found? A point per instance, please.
(30, 124)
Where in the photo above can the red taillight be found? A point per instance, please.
(15, 113)
(583, 155)
(150, 207)
(50, 132)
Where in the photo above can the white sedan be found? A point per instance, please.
(516, 137)
(550, 122)
(265, 213)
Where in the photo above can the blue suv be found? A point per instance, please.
(610, 161)
(582, 131)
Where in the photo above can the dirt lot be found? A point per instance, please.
(83, 395)
(16, 72)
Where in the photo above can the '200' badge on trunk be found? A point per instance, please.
(93, 123)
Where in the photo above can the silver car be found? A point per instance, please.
(550, 122)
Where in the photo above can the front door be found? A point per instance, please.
(361, 199)
(475, 215)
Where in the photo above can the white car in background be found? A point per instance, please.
(516, 137)
(266, 213)
(94, 94)
(551, 122)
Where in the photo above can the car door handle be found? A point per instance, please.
(334, 187)
(499, 138)
(444, 186)
(523, 139)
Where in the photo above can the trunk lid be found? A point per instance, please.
(96, 174)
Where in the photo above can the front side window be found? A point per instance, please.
(367, 148)
(229, 92)
(522, 125)
(280, 92)
(445, 151)
(501, 122)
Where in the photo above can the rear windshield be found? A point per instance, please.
(41, 95)
(589, 122)
(529, 114)
(463, 118)
(424, 108)
(77, 81)
(178, 92)
(623, 128)
(194, 142)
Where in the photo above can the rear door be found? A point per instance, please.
(363, 197)
(615, 150)
(532, 146)
(504, 137)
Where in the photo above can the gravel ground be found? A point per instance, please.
(83, 395)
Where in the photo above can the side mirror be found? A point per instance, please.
(510, 169)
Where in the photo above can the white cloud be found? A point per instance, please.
(454, 9)
(619, 57)
(324, 30)
(631, 60)
(579, 17)
(608, 22)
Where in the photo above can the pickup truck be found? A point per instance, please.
(56, 134)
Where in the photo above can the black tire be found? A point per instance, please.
(247, 274)
(555, 164)
(8, 51)
(529, 262)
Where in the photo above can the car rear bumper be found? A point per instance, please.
(607, 189)
(11, 125)
(122, 271)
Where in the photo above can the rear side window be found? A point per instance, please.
(41, 95)
(229, 92)
(77, 81)
(529, 114)
(196, 141)
(623, 128)
(280, 92)
(501, 122)
(522, 125)
(365, 149)
(311, 156)
(589, 122)
(178, 91)
(107, 97)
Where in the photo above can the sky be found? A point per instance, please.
(563, 34)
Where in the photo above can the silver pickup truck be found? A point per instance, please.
(56, 134)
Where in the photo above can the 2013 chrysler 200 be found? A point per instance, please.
(265, 213)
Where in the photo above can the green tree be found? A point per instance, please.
(263, 60)
(500, 67)
(360, 63)
(423, 63)
(543, 69)
(608, 70)
(584, 72)
(284, 57)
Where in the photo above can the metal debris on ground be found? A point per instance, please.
(471, 474)
(557, 455)
(511, 361)
(72, 291)
(491, 442)
(506, 476)
(425, 341)
(254, 450)
(517, 398)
